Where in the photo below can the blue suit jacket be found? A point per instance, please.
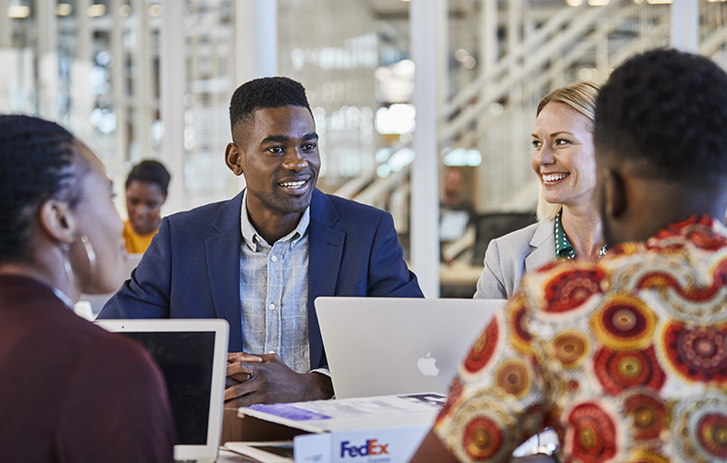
(192, 267)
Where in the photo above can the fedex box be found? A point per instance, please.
(384, 445)
(385, 429)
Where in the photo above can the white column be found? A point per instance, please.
(142, 88)
(488, 35)
(442, 57)
(173, 86)
(83, 34)
(47, 59)
(115, 165)
(82, 100)
(685, 25)
(6, 29)
(424, 26)
(118, 83)
(256, 39)
(256, 46)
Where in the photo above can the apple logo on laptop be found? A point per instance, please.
(426, 365)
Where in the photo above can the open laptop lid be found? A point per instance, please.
(381, 346)
(192, 354)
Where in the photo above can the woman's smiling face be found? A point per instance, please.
(563, 155)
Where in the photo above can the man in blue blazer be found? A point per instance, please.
(239, 259)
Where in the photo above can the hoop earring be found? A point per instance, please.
(66, 248)
(90, 253)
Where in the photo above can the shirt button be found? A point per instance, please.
(274, 258)
(271, 307)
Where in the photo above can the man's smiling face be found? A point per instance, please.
(279, 159)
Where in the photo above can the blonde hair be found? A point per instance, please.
(582, 98)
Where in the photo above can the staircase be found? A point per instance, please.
(495, 113)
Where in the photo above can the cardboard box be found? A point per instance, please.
(386, 429)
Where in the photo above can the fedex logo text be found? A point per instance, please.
(369, 448)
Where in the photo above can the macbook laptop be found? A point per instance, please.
(382, 346)
(192, 355)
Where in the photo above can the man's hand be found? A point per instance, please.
(241, 375)
(266, 379)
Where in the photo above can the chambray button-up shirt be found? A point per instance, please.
(274, 293)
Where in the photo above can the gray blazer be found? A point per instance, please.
(509, 256)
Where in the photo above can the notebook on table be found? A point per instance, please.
(384, 346)
(192, 355)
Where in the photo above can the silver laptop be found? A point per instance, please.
(192, 354)
(381, 346)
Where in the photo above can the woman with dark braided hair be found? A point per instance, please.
(69, 391)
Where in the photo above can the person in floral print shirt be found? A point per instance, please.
(626, 357)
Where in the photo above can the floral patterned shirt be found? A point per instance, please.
(626, 357)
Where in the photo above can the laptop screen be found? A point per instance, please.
(192, 355)
(185, 358)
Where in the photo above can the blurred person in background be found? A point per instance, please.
(69, 390)
(568, 224)
(146, 192)
(456, 212)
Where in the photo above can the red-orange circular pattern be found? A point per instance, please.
(519, 325)
(570, 348)
(646, 456)
(482, 438)
(513, 378)
(569, 290)
(648, 414)
(677, 229)
(712, 434)
(707, 239)
(593, 433)
(623, 320)
(455, 392)
(619, 370)
(698, 354)
(481, 353)
(720, 274)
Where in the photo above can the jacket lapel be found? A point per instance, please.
(324, 261)
(223, 265)
(543, 244)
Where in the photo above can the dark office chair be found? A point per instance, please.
(494, 225)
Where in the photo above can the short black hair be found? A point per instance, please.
(666, 110)
(150, 171)
(37, 162)
(267, 92)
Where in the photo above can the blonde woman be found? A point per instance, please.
(568, 224)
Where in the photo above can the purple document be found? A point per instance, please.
(290, 412)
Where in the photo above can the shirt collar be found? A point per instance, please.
(563, 247)
(251, 237)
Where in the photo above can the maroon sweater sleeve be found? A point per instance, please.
(116, 408)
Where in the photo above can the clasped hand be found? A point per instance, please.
(266, 379)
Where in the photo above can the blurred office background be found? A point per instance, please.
(137, 79)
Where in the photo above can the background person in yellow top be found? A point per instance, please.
(146, 192)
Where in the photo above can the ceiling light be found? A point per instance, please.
(96, 10)
(64, 9)
(574, 2)
(18, 11)
(125, 11)
(155, 11)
